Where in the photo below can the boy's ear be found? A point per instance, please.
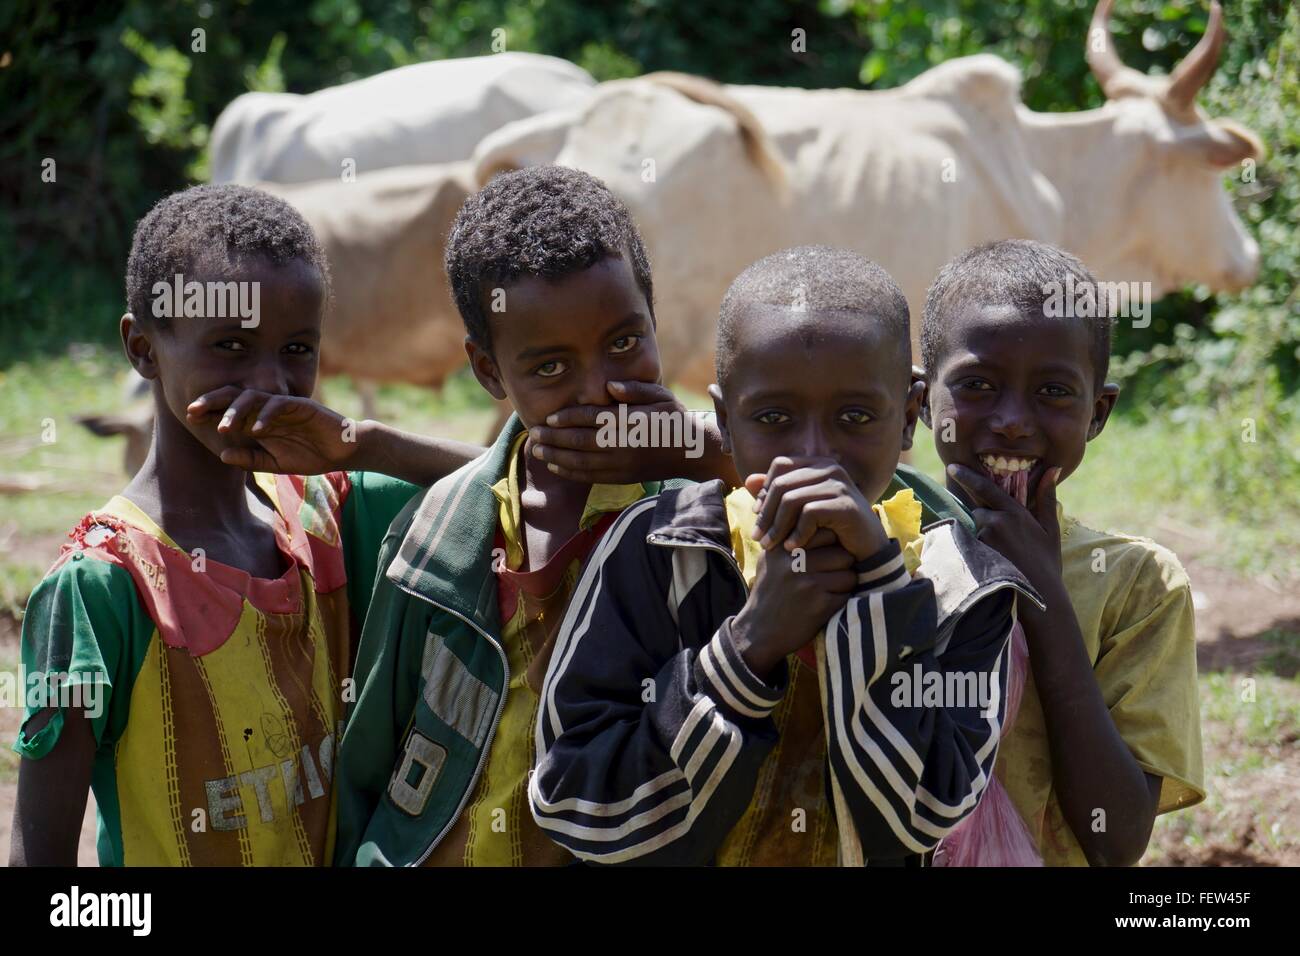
(138, 346)
(915, 406)
(720, 409)
(1101, 409)
(485, 369)
(919, 375)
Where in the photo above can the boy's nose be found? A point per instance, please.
(817, 443)
(268, 377)
(1012, 420)
(594, 391)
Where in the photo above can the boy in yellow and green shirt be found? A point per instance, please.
(190, 652)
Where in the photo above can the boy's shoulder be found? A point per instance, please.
(1116, 580)
(85, 567)
(1133, 555)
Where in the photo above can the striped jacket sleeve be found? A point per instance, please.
(914, 710)
(651, 730)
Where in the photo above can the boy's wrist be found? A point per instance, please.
(750, 647)
(362, 452)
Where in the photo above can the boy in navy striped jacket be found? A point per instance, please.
(829, 691)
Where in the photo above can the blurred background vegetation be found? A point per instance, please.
(117, 96)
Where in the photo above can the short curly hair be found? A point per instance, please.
(813, 279)
(1017, 272)
(545, 221)
(215, 228)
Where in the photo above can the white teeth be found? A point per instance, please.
(1007, 465)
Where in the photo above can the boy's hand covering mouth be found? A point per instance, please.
(791, 601)
(1029, 539)
(798, 496)
(294, 436)
(569, 442)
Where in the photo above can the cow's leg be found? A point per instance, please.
(368, 392)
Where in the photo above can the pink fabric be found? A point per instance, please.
(995, 834)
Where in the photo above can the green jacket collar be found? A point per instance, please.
(446, 555)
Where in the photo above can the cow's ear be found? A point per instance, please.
(1223, 143)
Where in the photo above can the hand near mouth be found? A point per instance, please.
(800, 495)
(284, 434)
(1030, 538)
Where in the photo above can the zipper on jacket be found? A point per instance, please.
(492, 731)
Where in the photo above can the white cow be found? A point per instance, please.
(908, 177)
(432, 112)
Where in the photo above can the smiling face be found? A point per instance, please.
(560, 342)
(1016, 394)
(188, 356)
(817, 384)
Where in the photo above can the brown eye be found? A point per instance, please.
(856, 416)
(550, 369)
(624, 343)
(772, 418)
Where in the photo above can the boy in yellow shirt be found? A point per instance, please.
(1108, 733)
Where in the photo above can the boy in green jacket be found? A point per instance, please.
(553, 283)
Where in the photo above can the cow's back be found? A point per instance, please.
(912, 176)
(431, 112)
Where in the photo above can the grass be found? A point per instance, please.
(1249, 728)
(10, 717)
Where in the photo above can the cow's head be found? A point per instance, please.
(1180, 227)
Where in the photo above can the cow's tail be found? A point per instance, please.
(759, 147)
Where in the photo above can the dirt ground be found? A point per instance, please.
(1233, 615)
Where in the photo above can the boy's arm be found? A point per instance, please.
(79, 627)
(648, 752)
(909, 770)
(420, 459)
(1092, 767)
(297, 436)
(52, 795)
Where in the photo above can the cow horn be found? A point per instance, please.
(1115, 78)
(1195, 69)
